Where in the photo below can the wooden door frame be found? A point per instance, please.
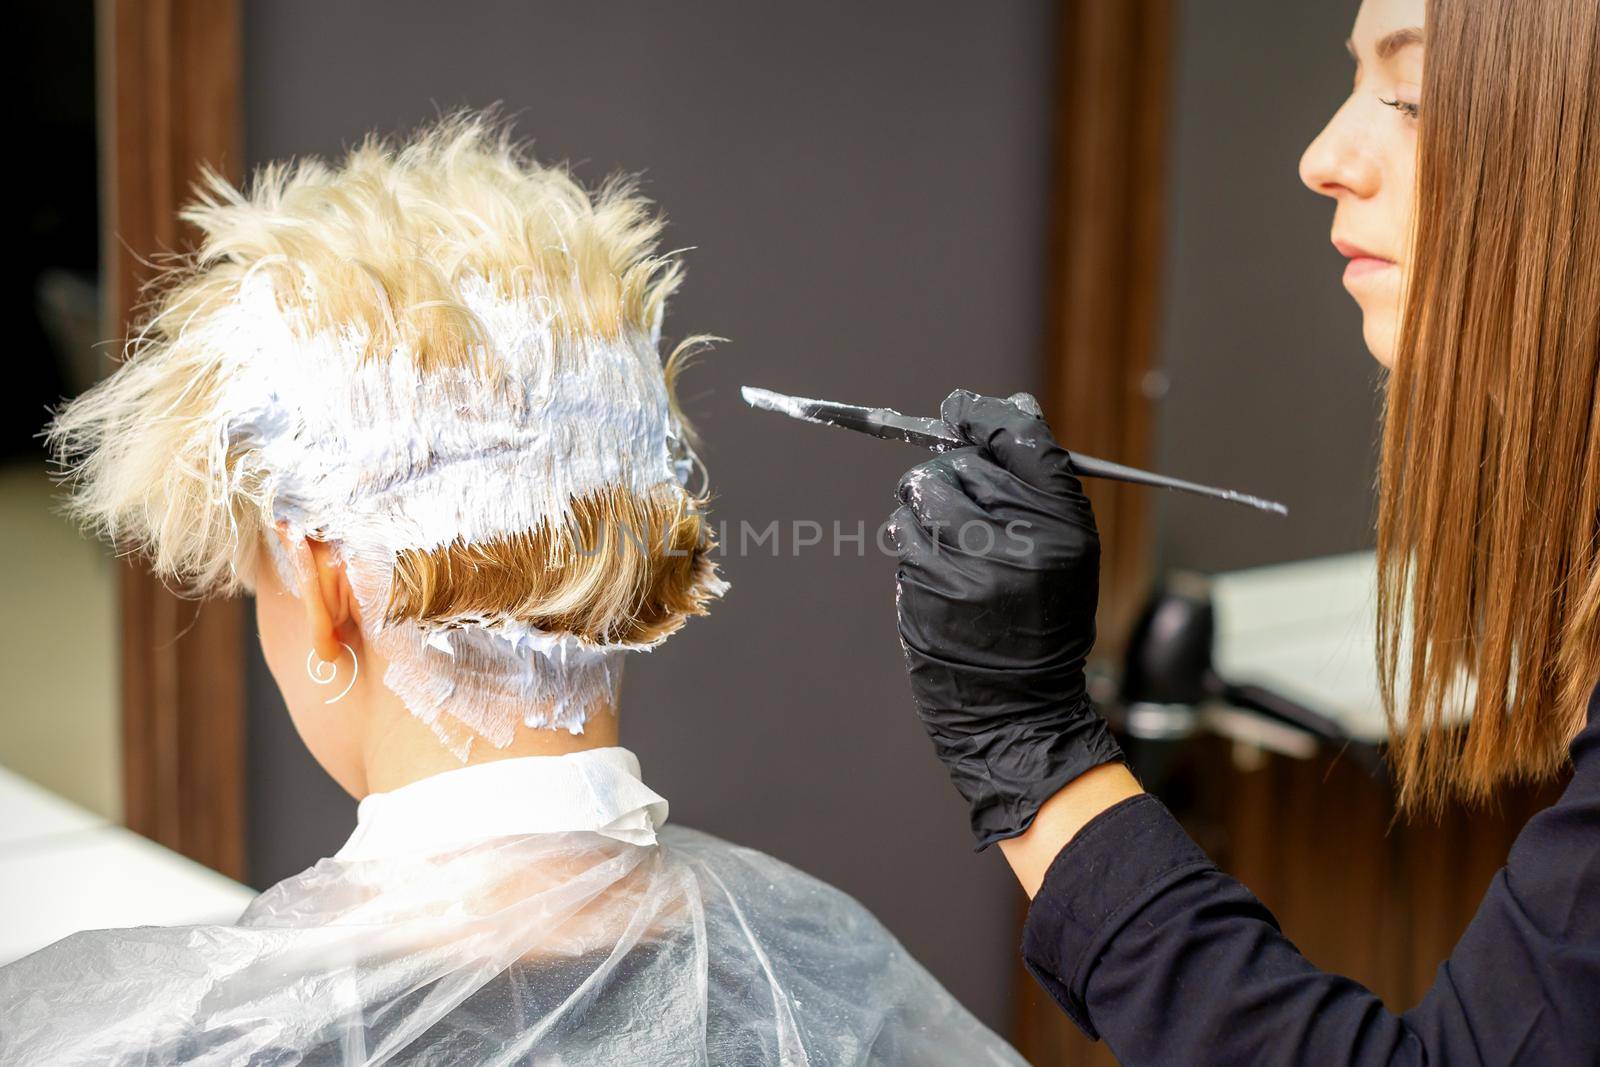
(1108, 194)
(1103, 302)
(169, 76)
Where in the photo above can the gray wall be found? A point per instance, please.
(864, 186)
(1272, 390)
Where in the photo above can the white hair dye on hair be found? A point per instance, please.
(441, 358)
(377, 456)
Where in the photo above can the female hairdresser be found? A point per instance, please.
(1468, 202)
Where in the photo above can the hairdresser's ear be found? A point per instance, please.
(323, 591)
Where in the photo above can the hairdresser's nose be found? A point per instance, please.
(1339, 162)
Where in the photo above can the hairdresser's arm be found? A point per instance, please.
(1145, 943)
(1062, 816)
(1133, 930)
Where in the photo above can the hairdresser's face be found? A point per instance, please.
(1365, 159)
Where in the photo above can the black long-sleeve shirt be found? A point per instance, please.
(1145, 943)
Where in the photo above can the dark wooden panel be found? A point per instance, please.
(1102, 308)
(1111, 111)
(169, 102)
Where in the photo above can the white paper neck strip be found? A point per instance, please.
(371, 454)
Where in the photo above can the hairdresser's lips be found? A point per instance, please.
(1363, 265)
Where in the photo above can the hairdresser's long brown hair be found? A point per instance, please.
(1490, 477)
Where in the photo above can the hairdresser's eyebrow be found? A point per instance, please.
(1390, 44)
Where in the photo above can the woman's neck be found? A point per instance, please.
(401, 749)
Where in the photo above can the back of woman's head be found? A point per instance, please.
(440, 357)
(1489, 582)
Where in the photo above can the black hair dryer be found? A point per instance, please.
(1168, 678)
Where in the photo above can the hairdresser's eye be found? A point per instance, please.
(1405, 107)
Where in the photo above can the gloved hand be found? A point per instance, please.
(996, 590)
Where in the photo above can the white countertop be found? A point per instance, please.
(1305, 630)
(65, 869)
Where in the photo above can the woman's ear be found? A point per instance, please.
(323, 590)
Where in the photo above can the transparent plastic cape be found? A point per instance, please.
(561, 949)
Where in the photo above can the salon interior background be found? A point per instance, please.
(868, 190)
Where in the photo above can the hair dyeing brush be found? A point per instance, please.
(936, 435)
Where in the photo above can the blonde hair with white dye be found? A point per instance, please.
(443, 357)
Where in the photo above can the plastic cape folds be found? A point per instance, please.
(560, 948)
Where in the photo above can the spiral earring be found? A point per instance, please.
(322, 677)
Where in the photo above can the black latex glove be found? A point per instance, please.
(996, 590)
